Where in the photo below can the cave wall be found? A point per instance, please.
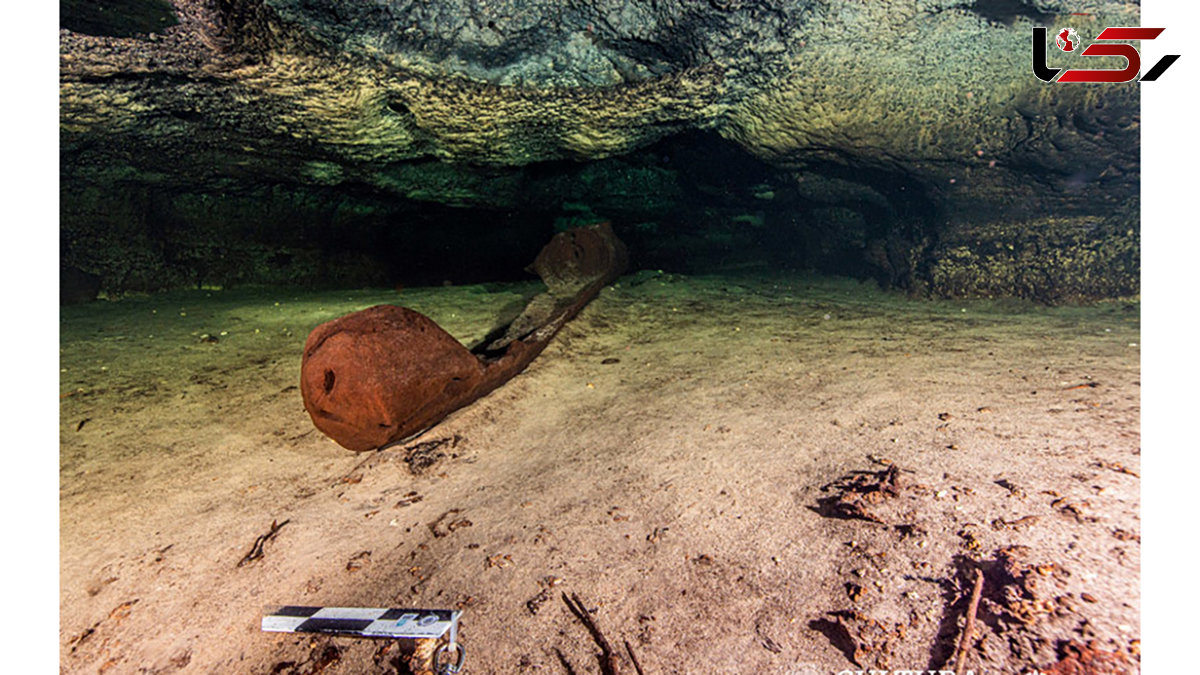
(312, 141)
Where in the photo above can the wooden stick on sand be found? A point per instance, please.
(964, 642)
(608, 658)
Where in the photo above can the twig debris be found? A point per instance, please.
(636, 666)
(608, 658)
(256, 551)
(964, 643)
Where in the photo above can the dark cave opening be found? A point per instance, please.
(693, 204)
(116, 18)
(835, 215)
(1007, 11)
(454, 245)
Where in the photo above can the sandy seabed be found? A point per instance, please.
(705, 461)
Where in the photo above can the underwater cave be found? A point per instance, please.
(694, 203)
(744, 336)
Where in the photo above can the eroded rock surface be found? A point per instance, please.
(890, 127)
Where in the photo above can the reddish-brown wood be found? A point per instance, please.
(386, 373)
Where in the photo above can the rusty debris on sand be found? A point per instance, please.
(860, 493)
(1087, 659)
(1019, 590)
(864, 640)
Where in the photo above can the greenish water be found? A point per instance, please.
(129, 344)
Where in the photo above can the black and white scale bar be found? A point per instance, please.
(416, 624)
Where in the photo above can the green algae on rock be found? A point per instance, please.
(920, 121)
